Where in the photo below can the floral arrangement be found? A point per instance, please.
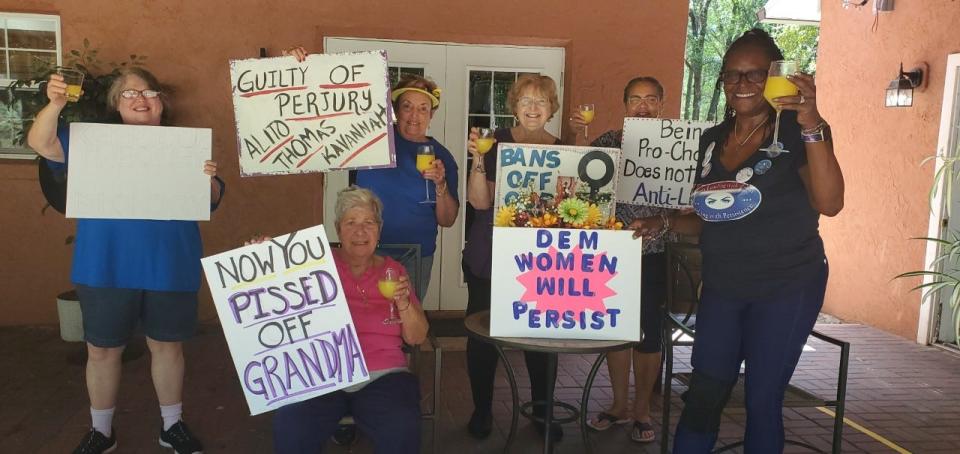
(531, 209)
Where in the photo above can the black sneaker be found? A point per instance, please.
(346, 435)
(95, 442)
(180, 439)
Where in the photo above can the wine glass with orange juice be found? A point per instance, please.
(425, 157)
(388, 288)
(779, 86)
(485, 140)
(587, 111)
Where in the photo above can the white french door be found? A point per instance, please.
(936, 315)
(474, 80)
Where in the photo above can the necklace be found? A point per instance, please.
(736, 128)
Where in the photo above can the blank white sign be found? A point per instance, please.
(138, 172)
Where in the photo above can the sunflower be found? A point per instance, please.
(505, 216)
(573, 211)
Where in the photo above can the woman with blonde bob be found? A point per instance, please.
(533, 101)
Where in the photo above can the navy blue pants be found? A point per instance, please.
(387, 411)
(768, 336)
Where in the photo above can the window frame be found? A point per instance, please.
(23, 152)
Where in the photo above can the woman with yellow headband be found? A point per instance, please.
(405, 218)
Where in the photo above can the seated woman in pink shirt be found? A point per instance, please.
(386, 408)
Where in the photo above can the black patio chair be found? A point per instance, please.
(683, 298)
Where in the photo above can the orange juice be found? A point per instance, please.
(484, 144)
(587, 116)
(424, 161)
(387, 288)
(778, 86)
(73, 93)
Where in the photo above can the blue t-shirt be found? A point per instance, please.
(134, 253)
(405, 219)
(760, 233)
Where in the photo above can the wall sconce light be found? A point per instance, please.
(900, 90)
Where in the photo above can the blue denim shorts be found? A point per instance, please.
(111, 315)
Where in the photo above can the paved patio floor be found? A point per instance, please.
(900, 396)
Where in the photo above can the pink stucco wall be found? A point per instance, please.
(880, 150)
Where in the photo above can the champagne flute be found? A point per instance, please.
(388, 287)
(485, 140)
(587, 112)
(425, 157)
(778, 86)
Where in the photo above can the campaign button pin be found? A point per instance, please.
(763, 166)
(745, 174)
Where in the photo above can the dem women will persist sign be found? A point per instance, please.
(285, 319)
(565, 284)
(329, 112)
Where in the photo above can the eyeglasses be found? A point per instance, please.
(648, 100)
(530, 102)
(734, 77)
(134, 94)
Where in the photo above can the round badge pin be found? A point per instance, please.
(763, 166)
(706, 170)
(744, 175)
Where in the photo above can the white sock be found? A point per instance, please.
(102, 420)
(171, 414)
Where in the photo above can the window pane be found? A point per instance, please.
(501, 85)
(478, 121)
(417, 71)
(502, 121)
(480, 92)
(394, 75)
(3, 65)
(32, 39)
(3, 36)
(10, 122)
(25, 64)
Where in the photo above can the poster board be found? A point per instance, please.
(329, 112)
(557, 172)
(138, 172)
(285, 318)
(565, 284)
(659, 161)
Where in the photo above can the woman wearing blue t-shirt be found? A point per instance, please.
(406, 218)
(764, 267)
(129, 272)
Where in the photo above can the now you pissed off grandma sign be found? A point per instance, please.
(286, 320)
(565, 284)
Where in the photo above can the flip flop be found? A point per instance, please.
(603, 421)
(641, 428)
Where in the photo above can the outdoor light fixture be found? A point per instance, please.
(900, 90)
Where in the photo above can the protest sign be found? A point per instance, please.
(557, 172)
(285, 319)
(659, 161)
(138, 172)
(329, 112)
(565, 284)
